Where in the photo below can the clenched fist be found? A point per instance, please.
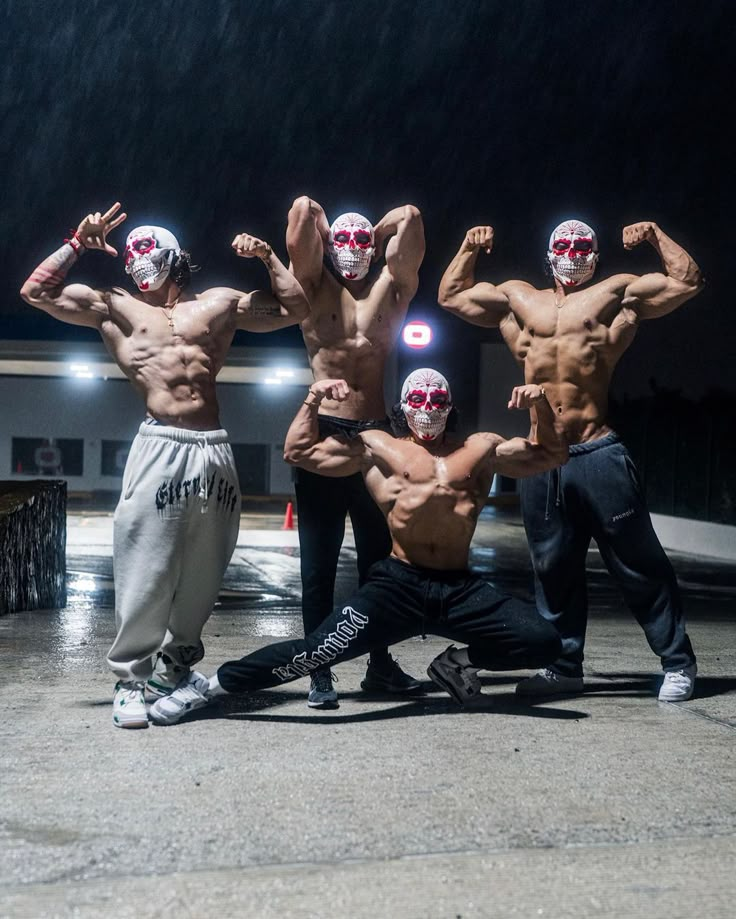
(638, 233)
(247, 246)
(479, 238)
(337, 390)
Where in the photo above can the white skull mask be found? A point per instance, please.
(352, 245)
(149, 254)
(426, 401)
(573, 252)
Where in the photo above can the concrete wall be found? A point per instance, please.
(97, 410)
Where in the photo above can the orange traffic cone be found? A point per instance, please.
(288, 517)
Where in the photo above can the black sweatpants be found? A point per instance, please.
(399, 601)
(323, 503)
(597, 495)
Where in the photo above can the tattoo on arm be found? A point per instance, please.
(53, 270)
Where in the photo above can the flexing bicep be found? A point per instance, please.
(482, 304)
(305, 241)
(76, 304)
(519, 457)
(405, 252)
(653, 295)
(334, 456)
(260, 311)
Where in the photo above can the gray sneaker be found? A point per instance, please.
(678, 685)
(459, 680)
(548, 683)
(189, 695)
(128, 706)
(321, 691)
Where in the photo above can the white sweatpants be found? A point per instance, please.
(175, 528)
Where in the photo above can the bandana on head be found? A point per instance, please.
(149, 254)
(352, 245)
(426, 401)
(573, 252)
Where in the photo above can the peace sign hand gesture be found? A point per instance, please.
(93, 230)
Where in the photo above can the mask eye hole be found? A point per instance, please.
(342, 237)
(416, 398)
(143, 245)
(362, 238)
(439, 399)
(561, 245)
(583, 245)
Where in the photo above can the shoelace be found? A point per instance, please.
(323, 680)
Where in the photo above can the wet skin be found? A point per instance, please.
(431, 491)
(169, 342)
(569, 339)
(353, 325)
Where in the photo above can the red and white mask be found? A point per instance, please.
(573, 252)
(352, 245)
(149, 254)
(426, 402)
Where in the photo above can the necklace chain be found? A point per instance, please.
(170, 315)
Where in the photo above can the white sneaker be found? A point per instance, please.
(678, 685)
(128, 706)
(548, 683)
(189, 695)
(165, 678)
(459, 680)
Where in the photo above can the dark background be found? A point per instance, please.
(209, 118)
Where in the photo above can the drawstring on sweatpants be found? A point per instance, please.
(558, 490)
(204, 446)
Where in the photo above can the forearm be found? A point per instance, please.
(459, 276)
(303, 432)
(285, 288)
(46, 280)
(676, 262)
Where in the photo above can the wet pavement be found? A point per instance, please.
(608, 804)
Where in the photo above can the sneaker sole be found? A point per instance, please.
(391, 690)
(437, 677)
(137, 723)
(328, 704)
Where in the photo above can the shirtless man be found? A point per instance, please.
(353, 325)
(569, 340)
(177, 520)
(431, 490)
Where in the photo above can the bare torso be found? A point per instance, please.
(174, 368)
(570, 345)
(349, 336)
(431, 499)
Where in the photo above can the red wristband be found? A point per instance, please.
(76, 243)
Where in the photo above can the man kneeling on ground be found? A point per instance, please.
(431, 490)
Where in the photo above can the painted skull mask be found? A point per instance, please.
(426, 401)
(573, 252)
(352, 245)
(149, 254)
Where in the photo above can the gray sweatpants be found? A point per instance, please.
(175, 528)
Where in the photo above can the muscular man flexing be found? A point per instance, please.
(177, 520)
(569, 340)
(431, 490)
(354, 322)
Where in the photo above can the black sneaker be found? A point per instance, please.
(321, 692)
(460, 681)
(389, 679)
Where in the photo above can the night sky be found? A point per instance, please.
(210, 118)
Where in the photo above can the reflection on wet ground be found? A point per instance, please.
(262, 583)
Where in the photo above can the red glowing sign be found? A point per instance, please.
(417, 334)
